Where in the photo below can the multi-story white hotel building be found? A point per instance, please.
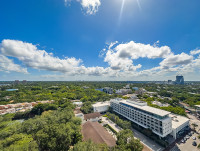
(138, 112)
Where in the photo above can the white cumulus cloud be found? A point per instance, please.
(31, 56)
(89, 6)
(194, 52)
(8, 65)
(174, 60)
(121, 57)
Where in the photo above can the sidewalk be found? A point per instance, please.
(112, 124)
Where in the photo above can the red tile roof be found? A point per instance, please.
(91, 115)
(97, 133)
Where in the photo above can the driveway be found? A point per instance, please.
(112, 124)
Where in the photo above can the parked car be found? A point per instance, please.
(194, 143)
(182, 141)
(187, 136)
(184, 138)
(194, 138)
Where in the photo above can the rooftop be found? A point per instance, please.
(97, 133)
(178, 120)
(146, 108)
(91, 115)
(101, 104)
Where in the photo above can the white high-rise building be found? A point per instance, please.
(138, 112)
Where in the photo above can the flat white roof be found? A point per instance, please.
(178, 120)
(98, 104)
(148, 109)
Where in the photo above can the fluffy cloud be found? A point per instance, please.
(8, 65)
(31, 56)
(121, 57)
(194, 52)
(174, 60)
(89, 6)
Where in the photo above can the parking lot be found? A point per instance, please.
(187, 144)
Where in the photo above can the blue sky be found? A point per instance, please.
(71, 39)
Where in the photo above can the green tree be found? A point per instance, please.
(126, 141)
(87, 107)
(89, 146)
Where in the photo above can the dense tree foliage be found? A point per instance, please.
(53, 130)
(121, 123)
(90, 146)
(38, 91)
(87, 107)
(126, 141)
(174, 109)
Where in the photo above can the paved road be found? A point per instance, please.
(193, 119)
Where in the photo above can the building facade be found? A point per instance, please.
(180, 80)
(148, 117)
(179, 125)
(101, 107)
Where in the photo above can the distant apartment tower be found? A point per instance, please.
(16, 82)
(179, 79)
(24, 81)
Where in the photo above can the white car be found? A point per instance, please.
(194, 138)
(187, 137)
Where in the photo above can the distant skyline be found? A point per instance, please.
(118, 40)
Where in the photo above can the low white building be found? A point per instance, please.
(179, 125)
(101, 106)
